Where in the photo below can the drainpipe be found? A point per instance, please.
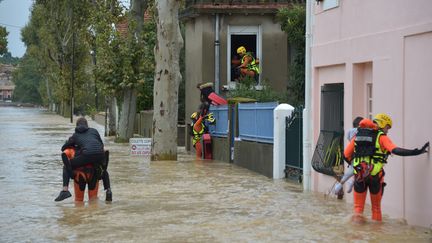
(307, 112)
(217, 55)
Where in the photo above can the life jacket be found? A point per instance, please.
(252, 65)
(369, 158)
(197, 134)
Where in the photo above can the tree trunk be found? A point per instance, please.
(138, 8)
(167, 81)
(112, 119)
(127, 115)
(128, 112)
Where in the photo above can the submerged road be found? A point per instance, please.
(163, 201)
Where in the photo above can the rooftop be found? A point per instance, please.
(194, 8)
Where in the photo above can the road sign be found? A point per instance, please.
(140, 146)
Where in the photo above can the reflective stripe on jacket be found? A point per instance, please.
(252, 65)
(378, 158)
(197, 135)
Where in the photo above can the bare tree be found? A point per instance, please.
(167, 81)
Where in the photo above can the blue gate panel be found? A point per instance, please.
(220, 129)
(256, 121)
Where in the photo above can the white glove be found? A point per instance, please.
(338, 187)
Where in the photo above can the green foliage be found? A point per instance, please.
(145, 97)
(246, 89)
(3, 40)
(54, 35)
(296, 87)
(124, 59)
(293, 22)
(7, 58)
(28, 80)
(117, 61)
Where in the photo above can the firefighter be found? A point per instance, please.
(197, 128)
(367, 152)
(249, 65)
(200, 124)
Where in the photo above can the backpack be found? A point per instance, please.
(365, 142)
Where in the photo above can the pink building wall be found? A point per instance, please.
(388, 44)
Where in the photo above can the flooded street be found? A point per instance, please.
(164, 201)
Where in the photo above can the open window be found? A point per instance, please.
(250, 38)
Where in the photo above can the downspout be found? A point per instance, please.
(217, 55)
(307, 112)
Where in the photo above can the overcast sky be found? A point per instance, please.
(14, 15)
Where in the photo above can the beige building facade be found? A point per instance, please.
(209, 50)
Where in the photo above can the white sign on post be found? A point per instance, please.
(140, 146)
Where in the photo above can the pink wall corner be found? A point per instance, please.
(394, 51)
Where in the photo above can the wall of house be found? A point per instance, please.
(221, 149)
(274, 54)
(254, 156)
(386, 44)
(200, 58)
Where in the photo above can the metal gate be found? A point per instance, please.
(294, 145)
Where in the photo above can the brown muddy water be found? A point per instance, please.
(164, 201)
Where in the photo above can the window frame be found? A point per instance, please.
(243, 30)
(369, 100)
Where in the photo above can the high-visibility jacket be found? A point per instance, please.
(197, 133)
(367, 149)
(252, 65)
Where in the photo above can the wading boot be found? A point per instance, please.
(108, 196)
(63, 195)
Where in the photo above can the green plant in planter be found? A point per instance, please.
(247, 89)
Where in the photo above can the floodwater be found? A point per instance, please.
(164, 201)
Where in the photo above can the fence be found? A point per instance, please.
(221, 128)
(256, 121)
(294, 139)
(294, 145)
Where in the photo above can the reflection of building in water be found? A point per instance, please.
(6, 85)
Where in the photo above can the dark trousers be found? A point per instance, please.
(105, 178)
(84, 159)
